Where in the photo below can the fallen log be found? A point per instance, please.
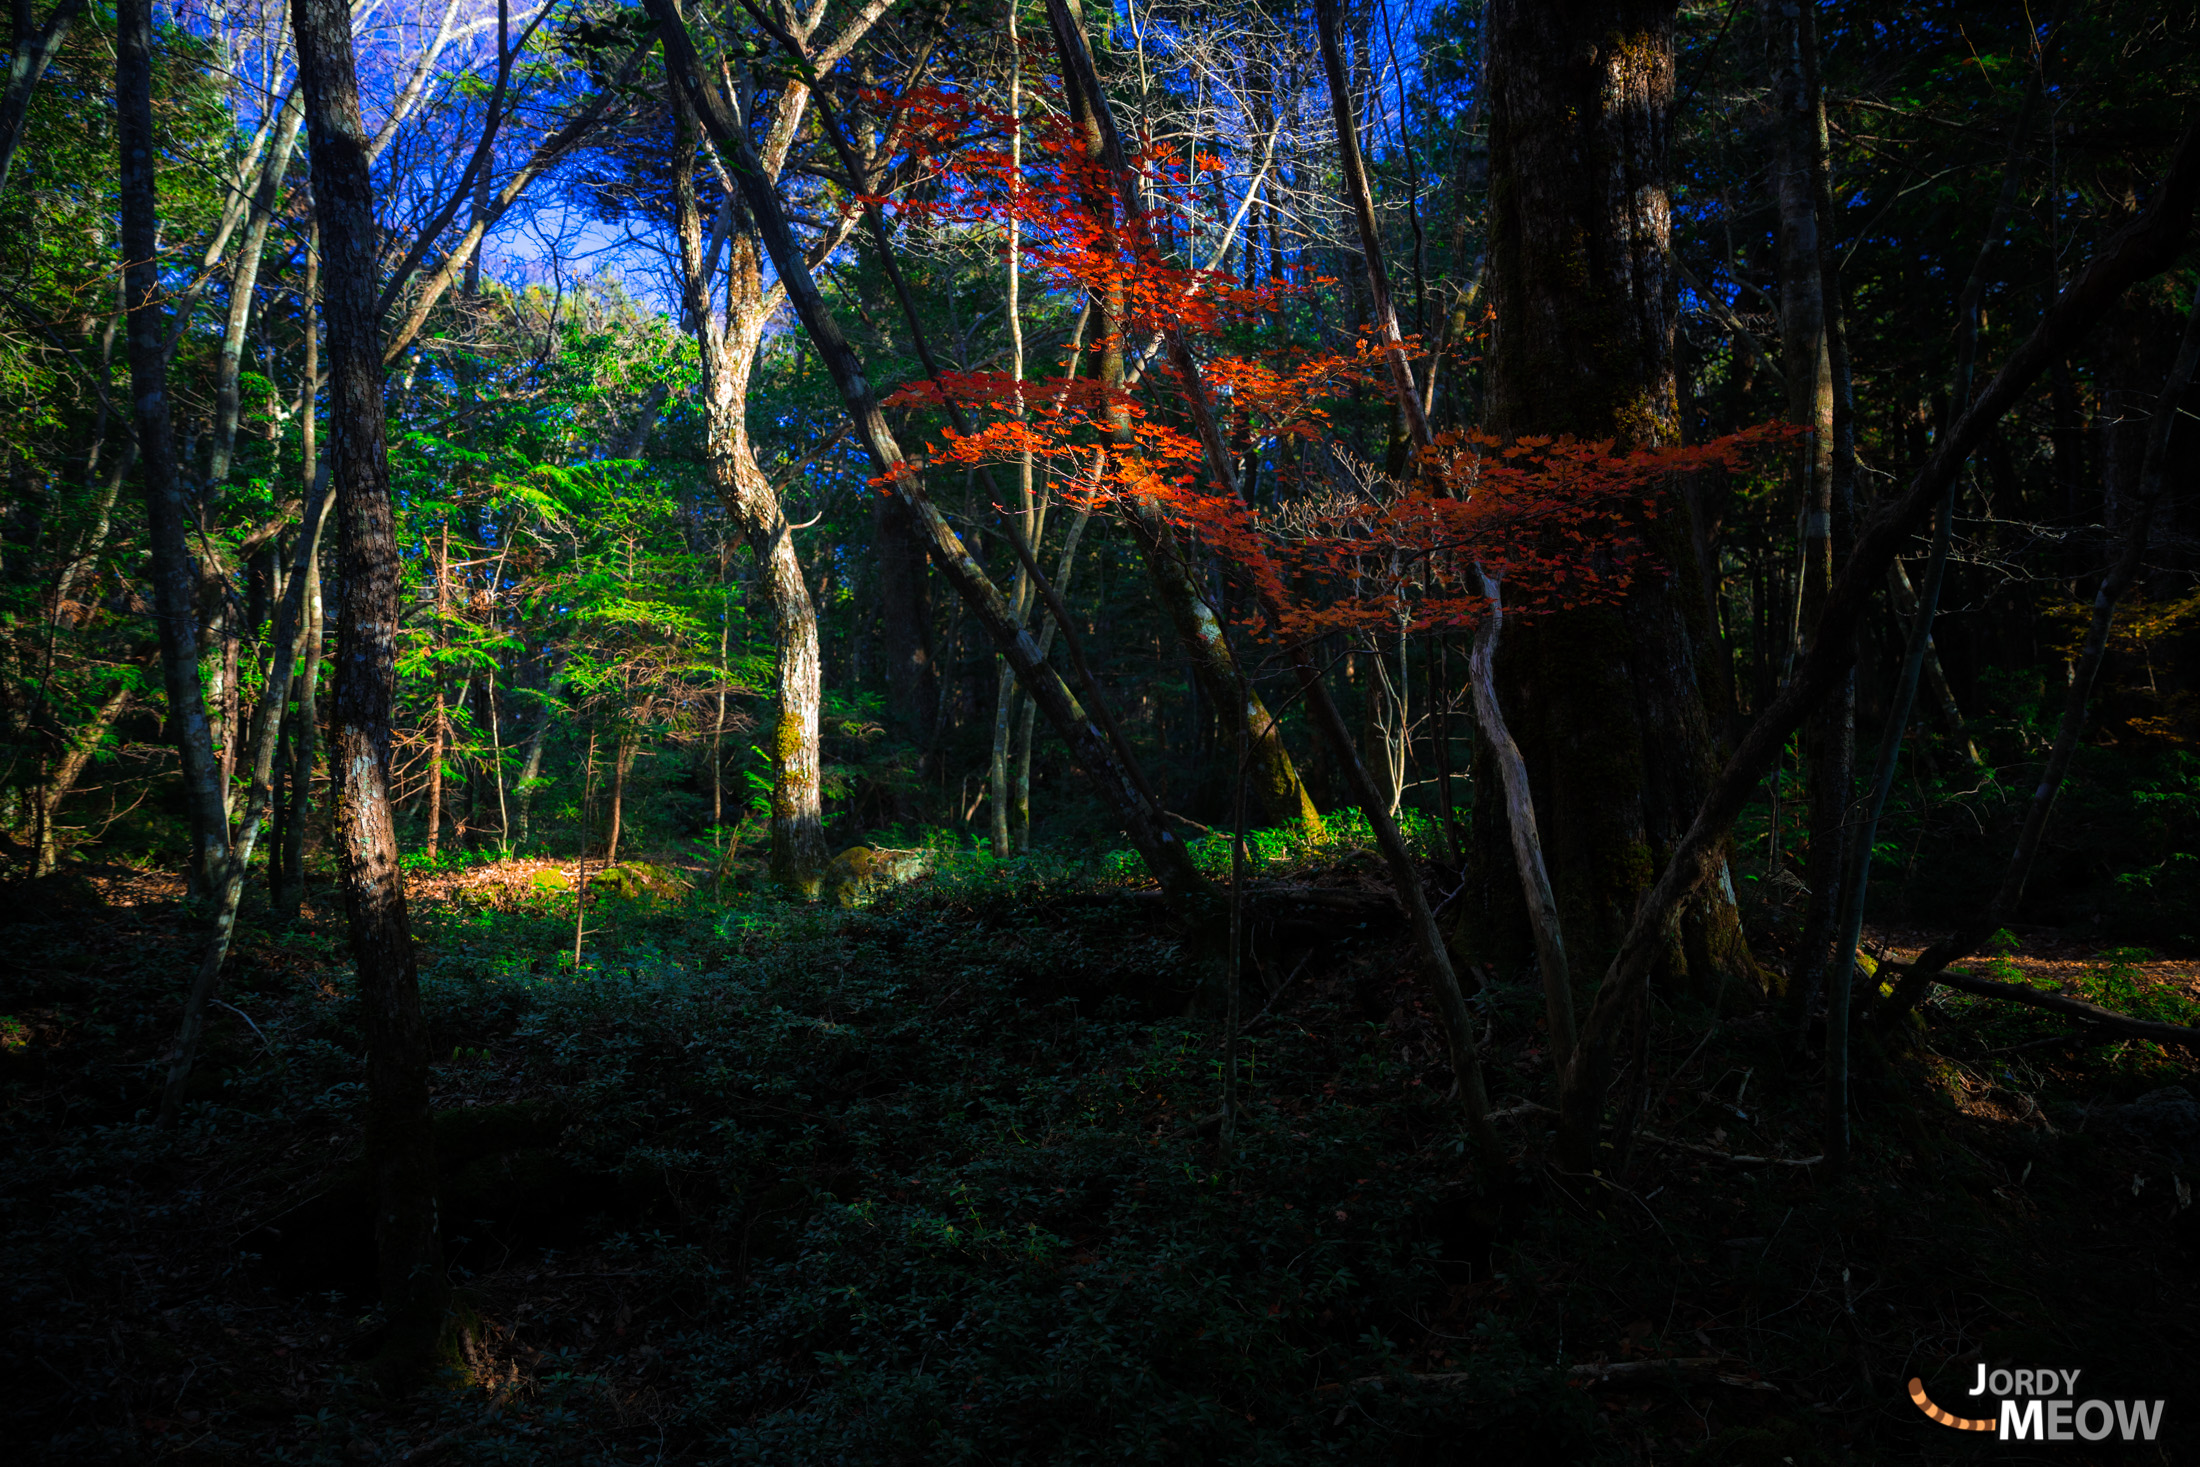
(2108, 1020)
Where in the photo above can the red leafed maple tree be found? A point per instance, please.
(1336, 546)
(1339, 545)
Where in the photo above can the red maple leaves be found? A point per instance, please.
(1329, 543)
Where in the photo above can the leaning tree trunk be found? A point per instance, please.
(1215, 669)
(400, 1141)
(175, 581)
(1605, 700)
(83, 744)
(30, 53)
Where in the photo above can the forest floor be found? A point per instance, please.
(927, 1181)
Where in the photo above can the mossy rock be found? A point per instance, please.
(636, 881)
(552, 880)
(860, 872)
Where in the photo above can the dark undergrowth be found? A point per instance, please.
(926, 1182)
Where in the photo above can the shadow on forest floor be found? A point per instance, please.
(924, 1182)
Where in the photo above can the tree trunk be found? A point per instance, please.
(1275, 779)
(1020, 793)
(1604, 701)
(622, 759)
(1829, 739)
(530, 771)
(244, 281)
(1950, 712)
(728, 348)
(175, 581)
(439, 723)
(29, 53)
(400, 1140)
(1033, 527)
(291, 893)
(83, 744)
(227, 634)
(905, 621)
(1535, 878)
(305, 732)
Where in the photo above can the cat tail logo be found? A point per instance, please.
(1945, 1418)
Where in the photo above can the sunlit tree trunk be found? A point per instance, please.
(243, 283)
(622, 759)
(1004, 700)
(305, 729)
(728, 348)
(400, 1143)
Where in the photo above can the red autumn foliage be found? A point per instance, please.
(1336, 545)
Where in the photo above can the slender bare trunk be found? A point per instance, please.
(622, 759)
(400, 1140)
(1943, 694)
(1829, 739)
(175, 581)
(244, 281)
(439, 723)
(291, 893)
(530, 770)
(1535, 878)
(1004, 699)
(83, 744)
(580, 881)
(305, 734)
(1063, 569)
